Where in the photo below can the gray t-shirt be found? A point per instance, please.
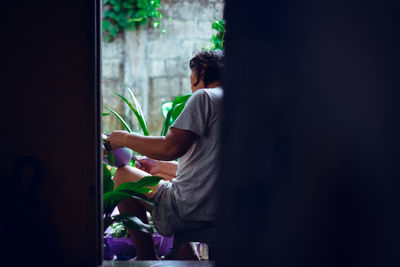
(194, 187)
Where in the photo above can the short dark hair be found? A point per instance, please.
(212, 62)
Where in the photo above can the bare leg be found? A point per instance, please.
(144, 242)
(145, 249)
(187, 253)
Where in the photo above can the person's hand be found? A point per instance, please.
(117, 139)
(148, 165)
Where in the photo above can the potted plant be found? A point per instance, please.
(111, 198)
(116, 241)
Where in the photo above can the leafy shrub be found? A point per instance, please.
(218, 38)
(121, 15)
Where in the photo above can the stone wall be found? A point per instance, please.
(154, 65)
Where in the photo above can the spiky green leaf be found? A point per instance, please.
(120, 119)
(137, 114)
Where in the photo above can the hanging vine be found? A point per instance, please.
(122, 15)
(218, 38)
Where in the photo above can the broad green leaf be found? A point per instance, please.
(149, 180)
(167, 122)
(111, 200)
(116, 7)
(120, 119)
(141, 186)
(138, 189)
(136, 19)
(177, 111)
(182, 99)
(113, 169)
(126, 5)
(148, 201)
(110, 158)
(113, 31)
(165, 107)
(136, 112)
(169, 119)
(108, 183)
(141, 3)
(106, 171)
(133, 223)
(138, 196)
(105, 114)
(106, 25)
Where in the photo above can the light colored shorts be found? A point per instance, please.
(165, 215)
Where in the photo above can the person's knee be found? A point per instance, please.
(127, 174)
(118, 176)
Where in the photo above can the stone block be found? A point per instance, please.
(177, 67)
(174, 87)
(114, 49)
(111, 68)
(219, 9)
(159, 87)
(157, 68)
(164, 50)
(185, 85)
(165, 87)
(181, 29)
(187, 49)
(155, 124)
(155, 121)
(204, 30)
(184, 66)
(156, 34)
(183, 10)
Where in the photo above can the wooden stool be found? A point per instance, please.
(204, 235)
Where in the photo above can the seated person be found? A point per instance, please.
(186, 199)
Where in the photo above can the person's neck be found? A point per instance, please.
(214, 84)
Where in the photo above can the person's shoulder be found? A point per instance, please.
(214, 93)
(209, 92)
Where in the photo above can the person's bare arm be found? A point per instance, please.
(172, 146)
(158, 167)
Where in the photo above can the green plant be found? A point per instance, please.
(121, 15)
(136, 109)
(111, 198)
(171, 110)
(118, 230)
(218, 38)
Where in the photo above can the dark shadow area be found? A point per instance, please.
(50, 134)
(310, 160)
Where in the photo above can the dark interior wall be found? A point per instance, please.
(310, 139)
(49, 132)
(310, 160)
